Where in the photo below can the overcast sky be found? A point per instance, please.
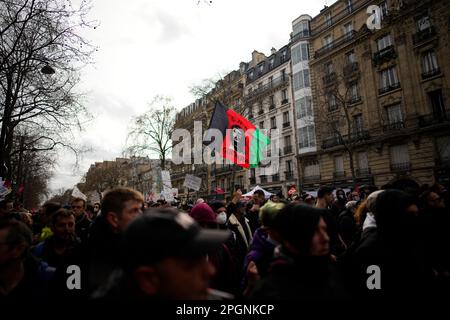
(150, 47)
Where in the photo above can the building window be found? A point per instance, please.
(261, 68)
(327, 41)
(363, 162)
(354, 92)
(394, 114)
(303, 107)
(284, 96)
(240, 181)
(348, 29)
(400, 157)
(329, 68)
(271, 101)
(287, 141)
(271, 62)
(328, 19)
(300, 53)
(307, 137)
(443, 148)
(270, 81)
(332, 103)
(261, 125)
(384, 42)
(429, 63)
(358, 124)
(301, 28)
(349, 6)
(250, 75)
(312, 169)
(384, 10)
(252, 173)
(388, 80)
(283, 74)
(350, 57)
(423, 23)
(339, 164)
(289, 166)
(437, 104)
(301, 79)
(273, 123)
(286, 117)
(283, 56)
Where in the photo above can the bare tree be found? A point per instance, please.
(107, 176)
(41, 52)
(337, 115)
(152, 131)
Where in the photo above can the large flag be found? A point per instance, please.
(243, 143)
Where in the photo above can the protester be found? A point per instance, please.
(164, 257)
(304, 269)
(225, 278)
(119, 208)
(396, 248)
(262, 247)
(23, 278)
(62, 248)
(258, 200)
(82, 220)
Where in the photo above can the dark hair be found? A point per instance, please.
(114, 200)
(79, 200)
(51, 207)
(260, 193)
(90, 208)
(61, 213)
(18, 232)
(323, 191)
(390, 212)
(4, 202)
(297, 223)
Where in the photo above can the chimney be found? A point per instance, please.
(273, 50)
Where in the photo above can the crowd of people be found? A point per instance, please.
(302, 247)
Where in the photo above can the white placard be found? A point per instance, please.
(192, 182)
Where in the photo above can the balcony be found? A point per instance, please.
(260, 112)
(275, 178)
(289, 175)
(338, 174)
(393, 126)
(434, 119)
(351, 69)
(286, 124)
(335, 44)
(268, 87)
(400, 167)
(287, 149)
(363, 172)
(273, 127)
(431, 73)
(340, 15)
(384, 55)
(263, 179)
(388, 88)
(272, 107)
(329, 78)
(311, 179)
(284, 101)
(252, 180)
(424, 36)
(354, 100)
(336, 140)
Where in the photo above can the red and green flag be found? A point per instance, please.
(243, 143)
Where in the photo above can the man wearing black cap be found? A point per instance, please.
(164, 257)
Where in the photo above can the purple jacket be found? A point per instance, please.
(260, 252)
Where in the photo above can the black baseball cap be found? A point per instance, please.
(164, 232)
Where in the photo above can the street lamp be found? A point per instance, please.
(47, 69)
